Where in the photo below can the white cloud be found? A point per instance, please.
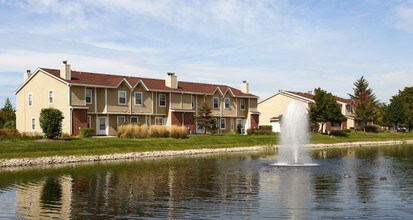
(404, 16)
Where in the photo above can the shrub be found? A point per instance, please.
(259, 132)
(86, 132)
(266, 127)
(371, 128)
(178, 132)
(159, 131)
(143, 131)
(51, 122)
(10, 124)
(339, 133)
(9, 134)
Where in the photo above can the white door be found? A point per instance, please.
(102, 126)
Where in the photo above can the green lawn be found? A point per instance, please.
(99, 146)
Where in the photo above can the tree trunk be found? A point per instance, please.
(322, 127)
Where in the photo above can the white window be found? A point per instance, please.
(88, 96)
(226, 102)
(33, 124)
(159, 120)
(30, 99)
(89, 121)
(121, 120)
(122, 97)
(50, 96)
(242, 104)
(215, 102)
(138, 98)
(134, 119)
(162, 100)
(239, 123)
(223, 123)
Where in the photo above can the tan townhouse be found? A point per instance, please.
(272, 108)
(103, 101)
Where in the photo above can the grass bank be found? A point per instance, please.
(103, 146)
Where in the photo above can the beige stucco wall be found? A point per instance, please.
(77, 96)
(146, 107)
(242, 113)
(274, 106)
(101, 100)
(161, 110)
(39, 85)
(113, 105)
(91, 106)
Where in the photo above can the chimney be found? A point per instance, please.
(27, 75)
(171, 81)
(65, 71)
(310, 92)
(245, 88)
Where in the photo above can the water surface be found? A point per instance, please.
(368, 182)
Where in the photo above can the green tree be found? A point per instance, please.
(324, 109)
(394, 114)
(204, 118)
(7, 115)
(406, 95)
(51, 122)
(364, 101)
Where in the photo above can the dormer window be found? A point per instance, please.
(122, 97)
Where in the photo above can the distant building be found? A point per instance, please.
(272, 108)
(102, 101)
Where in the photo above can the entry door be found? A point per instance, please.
(102, 126)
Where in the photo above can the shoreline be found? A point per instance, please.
(21, 162)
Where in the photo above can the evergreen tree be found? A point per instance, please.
(364, 101)
(406, 95)
(7, 115)
(324, 109)
(204, 118)
(394, 115)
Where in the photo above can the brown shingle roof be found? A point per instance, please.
(311, 96)
(109, 80)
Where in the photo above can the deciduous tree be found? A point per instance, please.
(324, 109)
(51, 122)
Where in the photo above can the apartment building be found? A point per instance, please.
(102, 101)
(274, 106)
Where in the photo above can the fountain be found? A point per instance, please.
(294, 137)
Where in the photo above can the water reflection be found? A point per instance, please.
(347, 184)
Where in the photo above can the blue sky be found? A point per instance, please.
(273, 44)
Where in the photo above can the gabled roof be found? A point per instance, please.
(311, 96)
(113, 81)
(307, 97)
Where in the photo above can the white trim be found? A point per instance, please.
(31, 124)
(137, 83)
(225, 103)
(120, 92)
(69, 96)
(134, 98)
(124, 80)
(220, 91)
(91, 96)
(52, 96)
(29, 99)
(213, 102)
(78, 107)
(229, 89)
(106, 101)
(117, 119)
(35, 73)
(159, 101)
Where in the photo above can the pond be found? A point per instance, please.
(367, 182)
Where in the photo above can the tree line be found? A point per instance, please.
(367, 110)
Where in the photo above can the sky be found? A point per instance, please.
(293, 45)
